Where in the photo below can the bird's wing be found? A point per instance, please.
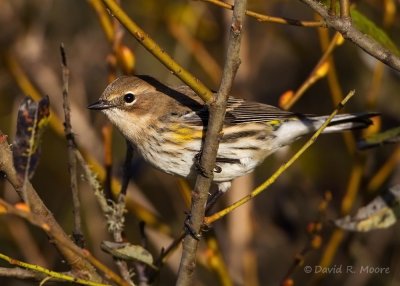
(240, 111)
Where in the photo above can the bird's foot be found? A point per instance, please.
(197, 163)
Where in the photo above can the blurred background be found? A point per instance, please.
(259, 243)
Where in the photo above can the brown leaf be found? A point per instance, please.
(31, 122)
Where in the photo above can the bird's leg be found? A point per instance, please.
(213, 198)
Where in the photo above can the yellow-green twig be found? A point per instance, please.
(274, 177)
(50, 273)
(264, 18)
(159, 53)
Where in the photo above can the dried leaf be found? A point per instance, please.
(127, 251)
(381, 212)
(31, 122)
(387, 137)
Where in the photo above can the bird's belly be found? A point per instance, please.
(230, 171)
(171, 159)
(180, 160)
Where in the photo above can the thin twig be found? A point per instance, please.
(21, 273)
(270, 19)
(106, 132)
(40, 273)
(274, 177)
(350, 32)
(141, 273)
(119, 216)
(72, 167)
(210, 147)
(344, 8)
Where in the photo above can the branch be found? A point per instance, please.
(57, 234)
(350, 32)
(39, 273)
(264, 18)
(21, 273)
(71, 144)
(119, 214)
(210, 147)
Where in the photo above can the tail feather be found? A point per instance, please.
(344, 122)
(294, 129)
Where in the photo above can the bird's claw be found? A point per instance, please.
(202, 171)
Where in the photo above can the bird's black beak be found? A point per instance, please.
(100, 105)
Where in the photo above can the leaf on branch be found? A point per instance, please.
(381, 212)
(31, 122)
(127, 251)
(366, 26)
(387, 137)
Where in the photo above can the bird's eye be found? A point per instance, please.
(129, 97)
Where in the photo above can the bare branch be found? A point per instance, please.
(72, 166)
(21, 273)
(270, 19)
(210, 147)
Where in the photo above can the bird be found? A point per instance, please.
(167, 125)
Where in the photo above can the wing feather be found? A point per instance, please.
(240, 111)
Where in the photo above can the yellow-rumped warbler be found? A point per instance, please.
(167, 126)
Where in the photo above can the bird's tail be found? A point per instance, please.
(343, 122)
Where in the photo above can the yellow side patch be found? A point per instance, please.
(183, 134)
